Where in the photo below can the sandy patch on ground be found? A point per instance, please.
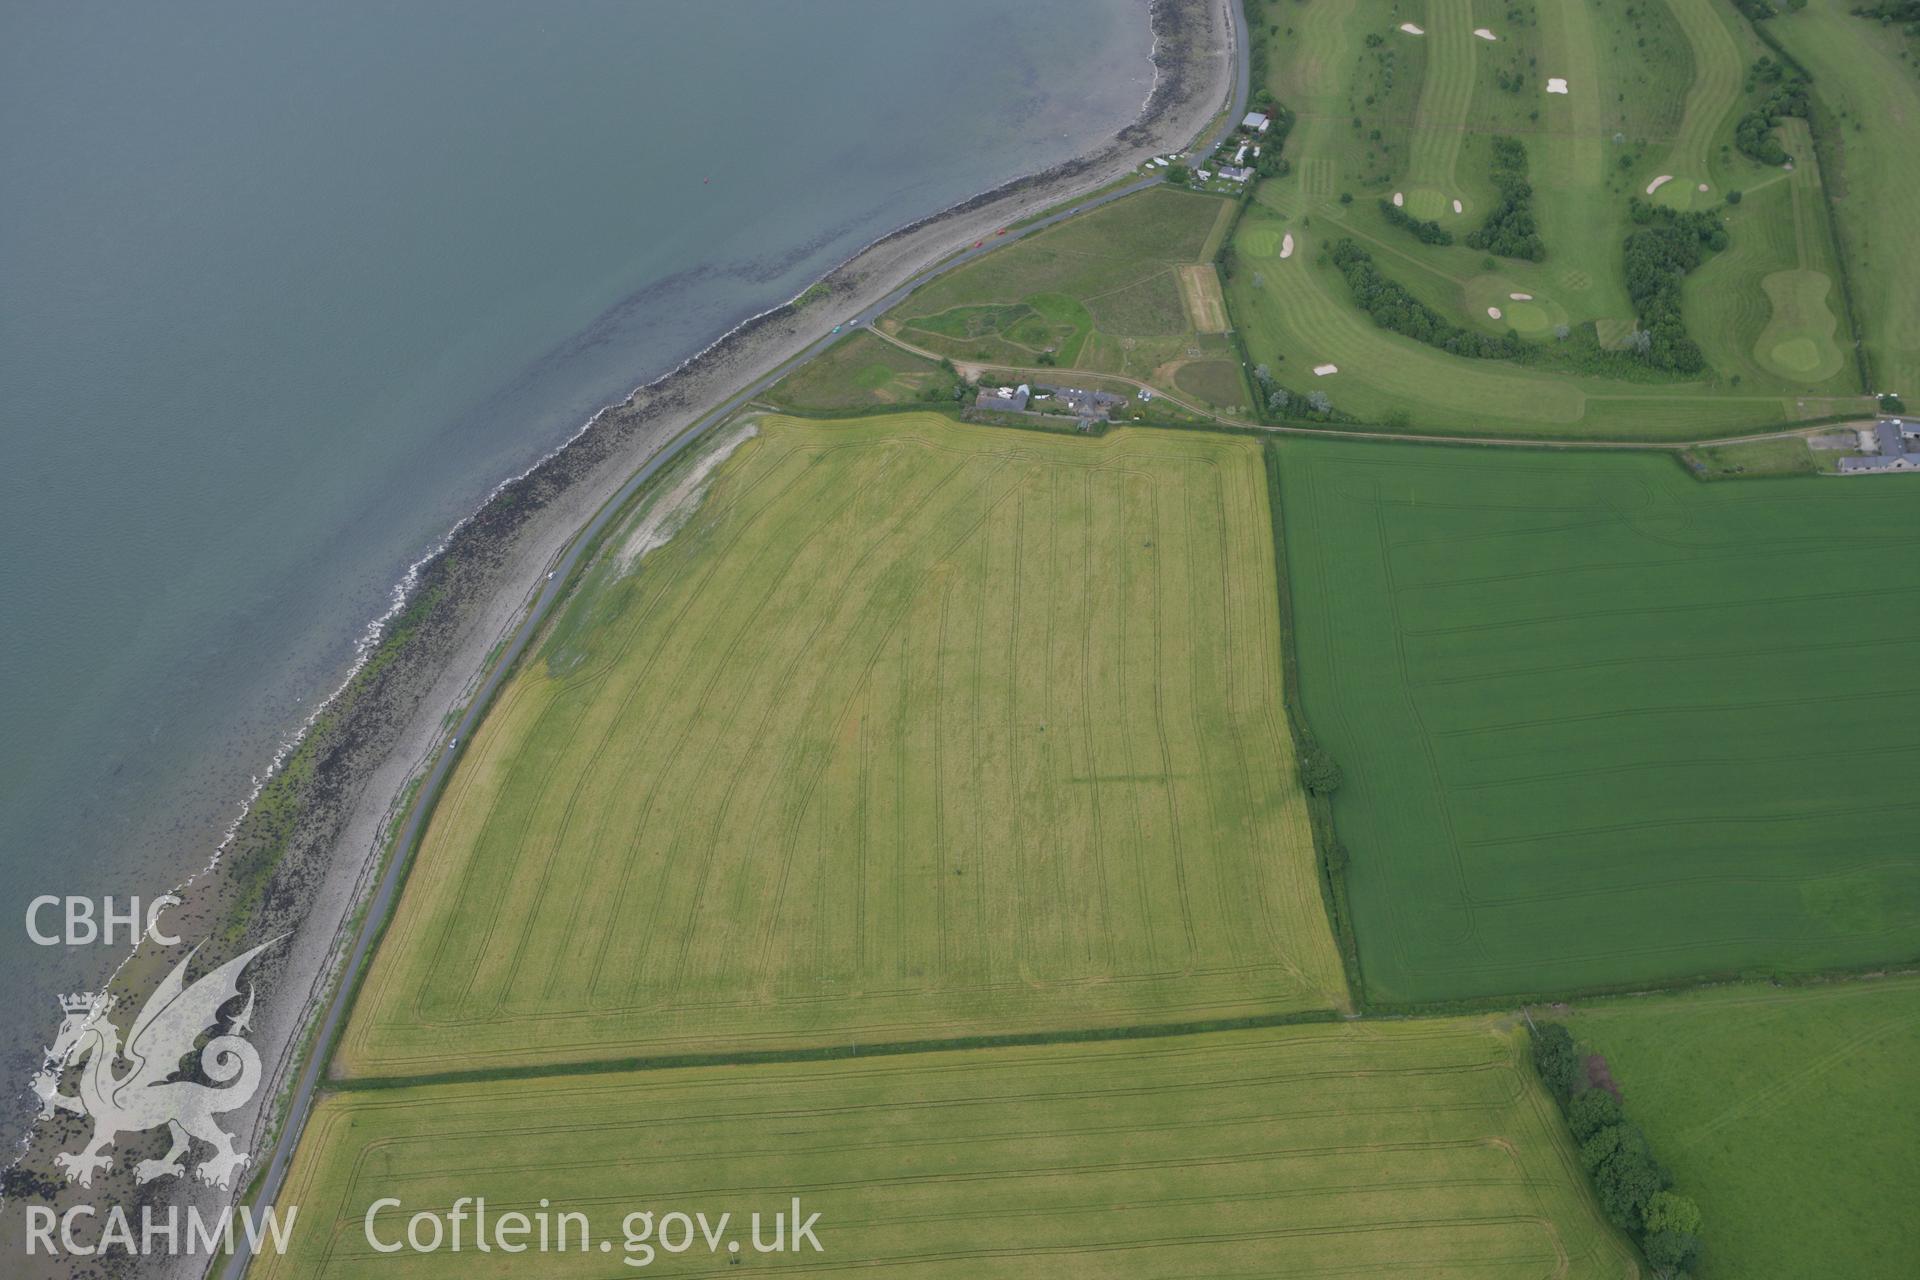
(669, 513)
(1322, 370)
(1411, 30)
(1659, 182)
(1200, 288)
(1458, 207)
(1521, 297)
(1703, 186)
(1485, 34)
(1494, 312)
(1399, 198)
(1286, 245)
(1555, 84)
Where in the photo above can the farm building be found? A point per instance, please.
(1235, 174)
(1086, 404)
(1256, 121)
(1004, 399)
(1895, 439)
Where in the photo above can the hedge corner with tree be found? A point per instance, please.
(1635, 1190)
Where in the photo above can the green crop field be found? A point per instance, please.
(1101, 292)
(1384, 1150)
(912, 729)
(1871, 98)
(1653, 95)
(1603, 724)
(1787, 1114)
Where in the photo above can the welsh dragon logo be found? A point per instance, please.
(145, 1096)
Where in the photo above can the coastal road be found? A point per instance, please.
(300, 1107)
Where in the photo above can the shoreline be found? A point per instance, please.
(364, 750)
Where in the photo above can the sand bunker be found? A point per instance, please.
(1521, 297)
(1659, 182)
(1411, 30)
(1556, 85)
(1703, 186)
(1322, 370)
(1494, 312)
(1485, 34)
(1399, 198)
(1286, 245)
(1458, 207)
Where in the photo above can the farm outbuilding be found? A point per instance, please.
(1895, 439)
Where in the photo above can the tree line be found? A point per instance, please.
(1510, 230)
(1271, 163)
(1425, 230)
(1393, 308)
(1659, 253)
(1280, 401)
(1786, 95)
(1890, 11)
(1635, 1189)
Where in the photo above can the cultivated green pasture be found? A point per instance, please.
(1787, 1114)
(861, 371)
(1603, 725)
(1101, 292)
(1871, 98)
(912, 729)
(1654, 91)
(1355, 1150)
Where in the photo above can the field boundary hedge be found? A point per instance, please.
(838, 1052)
(1333, 875)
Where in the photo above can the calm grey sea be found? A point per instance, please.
(286, 288)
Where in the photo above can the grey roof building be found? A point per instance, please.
(1895, 440)
(1256, 121)
(1003, 399)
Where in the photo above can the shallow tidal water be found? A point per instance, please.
(286, 289)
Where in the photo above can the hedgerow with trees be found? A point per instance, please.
(1510, 230)
(1393, 308)
(1783, 93)
(1635, 1189)
(1280, 401)
(1425, 230)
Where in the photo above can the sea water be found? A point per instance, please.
(286, 288)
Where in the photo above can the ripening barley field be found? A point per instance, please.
(1385, 1149)
(912, 729)
(1602, 724)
